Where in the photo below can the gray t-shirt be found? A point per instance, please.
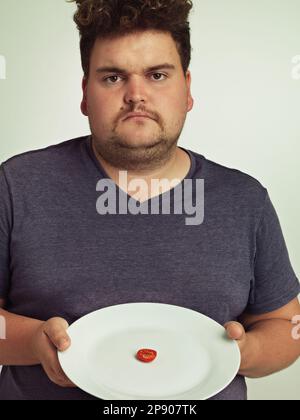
(60, 257)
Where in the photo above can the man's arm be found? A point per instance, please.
(16, 348)
(30, 342)
(266, 341)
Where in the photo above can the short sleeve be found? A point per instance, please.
(275, 283)
(5, 232)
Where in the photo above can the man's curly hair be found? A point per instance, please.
(112, 18)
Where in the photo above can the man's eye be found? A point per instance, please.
(159, 74)
(112, 79)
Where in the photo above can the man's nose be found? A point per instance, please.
(135, 91)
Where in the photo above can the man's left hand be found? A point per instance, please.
(236, 331)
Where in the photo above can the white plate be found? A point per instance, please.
(195, 360)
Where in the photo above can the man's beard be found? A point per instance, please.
(126, 157)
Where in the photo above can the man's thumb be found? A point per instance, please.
(235, 331)
(56, 330)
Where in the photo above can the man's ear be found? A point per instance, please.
(83, 105)
(190, 103)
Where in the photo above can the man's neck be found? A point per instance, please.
(174, 170)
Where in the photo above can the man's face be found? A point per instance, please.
(132, 144)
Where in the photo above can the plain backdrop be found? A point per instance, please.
(244, 81)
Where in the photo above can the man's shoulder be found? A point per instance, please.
(47, 157)
(228, 181)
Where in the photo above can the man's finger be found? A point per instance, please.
(57, 378)
(66, 381)
(54, 371)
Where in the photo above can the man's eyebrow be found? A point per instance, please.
(108, 69)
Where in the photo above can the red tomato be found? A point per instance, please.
(146, 355)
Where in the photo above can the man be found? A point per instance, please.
(61, 259)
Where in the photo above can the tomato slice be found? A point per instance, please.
(146, 355)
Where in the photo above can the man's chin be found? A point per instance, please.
(139, 145)
(131, 154)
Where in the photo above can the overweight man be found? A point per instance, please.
(68, 246)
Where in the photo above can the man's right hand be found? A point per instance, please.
(47, 339)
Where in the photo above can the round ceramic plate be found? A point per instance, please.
(195, 360)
